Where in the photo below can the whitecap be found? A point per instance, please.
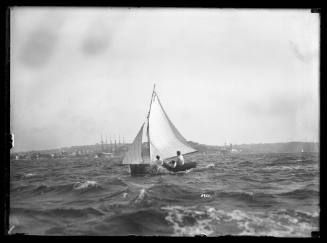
(84, 185)
(29, 175)
(205, 195)
(177, 214)
(210, 165)
(269, 224)
(141, 195)
(263, 224)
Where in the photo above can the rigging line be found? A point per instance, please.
(153, 93)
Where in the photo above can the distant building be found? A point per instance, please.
(34, 156)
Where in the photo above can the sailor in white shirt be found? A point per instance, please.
(159, 161)
(159, 169)
(180, 159)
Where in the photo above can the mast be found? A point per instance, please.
(106, 143)
(154, 86)
(147, 132)
(101, 143)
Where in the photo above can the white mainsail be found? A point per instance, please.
(163, 137)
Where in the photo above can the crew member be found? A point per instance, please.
(159, 161)
(179, 159)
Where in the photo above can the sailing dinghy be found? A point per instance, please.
(157, 136)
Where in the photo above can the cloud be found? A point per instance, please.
(41, 41)
(302, 55)
(95, 43)
(100, 32)
(38, 48)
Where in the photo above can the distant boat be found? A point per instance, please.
(298, 149)
(105, 155)
(157, 136)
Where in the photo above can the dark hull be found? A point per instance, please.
(184, 167)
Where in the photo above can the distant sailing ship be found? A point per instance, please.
(157, 136)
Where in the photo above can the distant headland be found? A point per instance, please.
(288, 147)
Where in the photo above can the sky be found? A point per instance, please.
(222, 75)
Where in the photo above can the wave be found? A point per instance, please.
(290, 160)
(262, 199)
(187, 221)
(62, 189)
(300, 193)
(200, 169)
(30, 174)
(22, 176)
(304, 216)
(190, 221)
(176, 193)
(116, 182)
(140, 196)
(168, 193)
(57, 212)
(42, 189)
(270, 224)
(283, 160)
(84, 185)
(226, 199)
(146, 222)
(245, 163)
(21, 188)
(283, 168)
(144, 198)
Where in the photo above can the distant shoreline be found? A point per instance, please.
(284, 147)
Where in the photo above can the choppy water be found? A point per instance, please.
(260, 194)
